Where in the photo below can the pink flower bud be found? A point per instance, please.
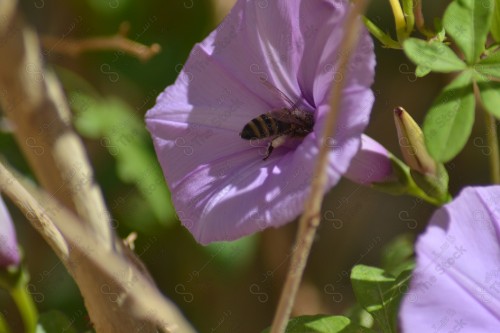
(372, 164)
(9, 253)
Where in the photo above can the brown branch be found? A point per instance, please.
(35, 105)
(122, 290)
(310, 219)
(119, 41)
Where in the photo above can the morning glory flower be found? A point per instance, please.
(456, 283)
(9, 253)
(264, 56)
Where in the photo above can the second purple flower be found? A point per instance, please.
(265, 56)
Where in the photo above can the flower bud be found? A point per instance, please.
(429, 176)
(9, 253)
(411, 141)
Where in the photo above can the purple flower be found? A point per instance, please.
(456, 283)
(221, 187)
(9, 253)
(371, 164)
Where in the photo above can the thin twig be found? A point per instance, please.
(10, 184)
(310, 219)
(118, 41)
(419, 16)
(420, 21)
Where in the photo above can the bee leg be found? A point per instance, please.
(269, 150)
(276, 142)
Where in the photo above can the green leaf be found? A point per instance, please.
(489, 65)
(448, 123)
(434, 56)
(88, 124)
(323, 324)
(123, 134)
(397, 255)
(490, 95)
(380, 294)
(233, 256)
(421, 71)
(360, 316)
(468, 23)
(495, 21)
(54, 322)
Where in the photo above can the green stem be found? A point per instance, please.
(492, 135)
(26, 307)
(409, 15)
(418, 193)
(382, 37)
(399, 19)
(492, 138)
(4, 327)
(419, 17)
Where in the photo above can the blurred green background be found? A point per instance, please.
(236, 283)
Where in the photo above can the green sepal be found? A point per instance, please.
(403, 183)
(434, 186)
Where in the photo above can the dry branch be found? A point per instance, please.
(119, 41)
(33, 101)
(122, 290)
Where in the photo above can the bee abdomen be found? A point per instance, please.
(260, 127)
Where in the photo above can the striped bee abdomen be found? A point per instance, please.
(263, 126)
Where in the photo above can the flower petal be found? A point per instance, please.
(321, 23)
(371, 164)
(456, 284)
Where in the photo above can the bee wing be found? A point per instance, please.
(285, 115)
(278, 92)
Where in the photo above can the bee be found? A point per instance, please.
(279, 124)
